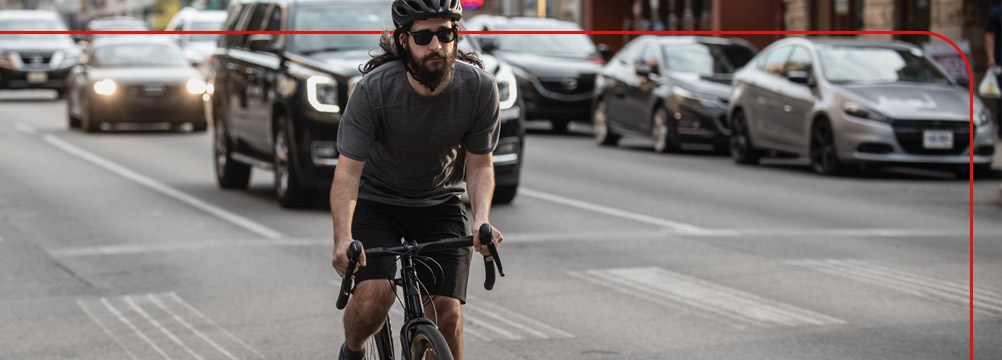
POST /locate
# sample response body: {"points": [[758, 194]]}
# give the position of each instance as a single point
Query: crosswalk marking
{"points": [[163, 326], [665, 287], [490, 322], [985, 301]]}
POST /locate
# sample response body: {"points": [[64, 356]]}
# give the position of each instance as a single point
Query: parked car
{"points": [[842, 102], [113, 23], [276, 100], [670, 89], [33, 61], [198, 48], [555, 74], [135, 79]]}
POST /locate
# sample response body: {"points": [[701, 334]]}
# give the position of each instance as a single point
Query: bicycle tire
{"points": [[428, 339], [380, 345]]}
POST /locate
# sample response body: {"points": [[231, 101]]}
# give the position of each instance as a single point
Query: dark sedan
{"points": [[555, 74], [135, 80], [673, 90]]}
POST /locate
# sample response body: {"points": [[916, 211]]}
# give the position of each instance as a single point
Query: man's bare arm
{"points": [[344, 194]]}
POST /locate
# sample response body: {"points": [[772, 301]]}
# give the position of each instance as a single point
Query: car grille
{"points": [[35, 58], [570, 85], [153, 90], [910, 136]]}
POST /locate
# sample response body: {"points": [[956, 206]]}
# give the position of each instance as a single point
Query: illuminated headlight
{"points": [[983, 118], [696, 98], [507, 87], [196, 87], [105, 87], [859, 111], [321, 92]]}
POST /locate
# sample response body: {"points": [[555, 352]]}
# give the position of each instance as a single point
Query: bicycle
{"points": [[418, 333]]}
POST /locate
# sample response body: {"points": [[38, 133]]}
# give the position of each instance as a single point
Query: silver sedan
{"points": [[843, 101]]}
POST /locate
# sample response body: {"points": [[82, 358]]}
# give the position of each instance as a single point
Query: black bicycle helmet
{"points": [[409, 11]]}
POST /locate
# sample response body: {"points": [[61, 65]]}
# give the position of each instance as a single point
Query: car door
{"points": [[763, 109], [230, 75], [260, 70], [796, 101], [639, 102], [243, 75], [622, 77]]}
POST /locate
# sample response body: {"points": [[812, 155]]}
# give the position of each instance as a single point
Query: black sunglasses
{"points": [[444, 35]]}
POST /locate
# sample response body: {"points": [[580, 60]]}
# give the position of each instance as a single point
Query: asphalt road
{"points": [[120, 245]]}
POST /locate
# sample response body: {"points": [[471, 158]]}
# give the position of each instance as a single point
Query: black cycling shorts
{"points": [[377, 224]]}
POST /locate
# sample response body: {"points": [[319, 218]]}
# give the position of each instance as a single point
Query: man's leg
{"points": [[366, 311], [448, 315]]}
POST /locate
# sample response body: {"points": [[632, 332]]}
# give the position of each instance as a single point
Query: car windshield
{"points": [[204, 25], [562, 45], [134, 55], [348, 18], [858, 64], [32, 24], [706, 59]]}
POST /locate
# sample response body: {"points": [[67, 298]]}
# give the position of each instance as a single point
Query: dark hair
{"points": [[393, 50]]}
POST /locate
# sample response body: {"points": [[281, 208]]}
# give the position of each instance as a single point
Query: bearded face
{"points": [[434, 68], [430, 60]]}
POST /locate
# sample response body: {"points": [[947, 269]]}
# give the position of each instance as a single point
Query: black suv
{"points": [[276, 99], [33, 61]]}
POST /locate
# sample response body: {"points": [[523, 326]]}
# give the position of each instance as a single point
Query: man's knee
{"points": [[372, 298], [448, 314]]}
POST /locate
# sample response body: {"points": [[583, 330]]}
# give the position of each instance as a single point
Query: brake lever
{"points": [[487, 239], [354, 251]]}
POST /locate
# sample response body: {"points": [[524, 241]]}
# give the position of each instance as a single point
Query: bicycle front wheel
{"points": [[429, 344], [380, 345]]}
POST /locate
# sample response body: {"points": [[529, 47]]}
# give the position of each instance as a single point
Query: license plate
{"points": [[37, 77], [937, 139]]}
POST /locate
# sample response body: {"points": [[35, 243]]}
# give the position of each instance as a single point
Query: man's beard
{"points": [[433, 70]]}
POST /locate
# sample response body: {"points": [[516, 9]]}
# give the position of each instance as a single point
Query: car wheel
{"points": [[505, 194], [87, 121], [229, 174], [290, 193], [824, 156], [663, 132], [742, 150], [72, 121], [600, 122]]}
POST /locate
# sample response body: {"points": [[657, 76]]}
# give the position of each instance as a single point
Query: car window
{"points": [[563, 45], [875, 64], [138, 55], [204, 25], [800, 60], [350, 17], [233, 20], [629, 54], [775, 61], [256, 22], [32, 24], [706, 59]]}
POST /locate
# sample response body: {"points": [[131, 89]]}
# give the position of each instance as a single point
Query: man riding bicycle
{"points": [[417, 129]]}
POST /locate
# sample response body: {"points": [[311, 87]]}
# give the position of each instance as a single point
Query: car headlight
{"points": [[105, 87], [197, 87], [321, 93], [859, 111], [507, 87], [697, 98], [983, 118], [10, 60]]}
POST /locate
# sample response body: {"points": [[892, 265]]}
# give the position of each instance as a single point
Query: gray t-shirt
{"points": [[414, 146]]}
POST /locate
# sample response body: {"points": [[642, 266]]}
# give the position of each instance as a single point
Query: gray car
{"points": [[844, 102]]}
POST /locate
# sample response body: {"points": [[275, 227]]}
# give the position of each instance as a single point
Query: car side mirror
{"points": [[488, 43], [644, 70], [261, 42], [800, 77], [604, 51]]}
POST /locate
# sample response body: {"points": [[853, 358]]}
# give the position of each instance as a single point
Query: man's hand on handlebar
{"points": [[480, 247], [340, 258]]}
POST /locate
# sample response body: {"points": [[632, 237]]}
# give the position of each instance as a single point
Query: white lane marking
{"points": [[674, 225], [135, 330], [647, 295], [132, 249], [157, 186], [139, 310], [915, 284], [27, 129], [173, 296], [716, 298], [515, 319], [397, 314], [159, 303], [91, 315]]}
